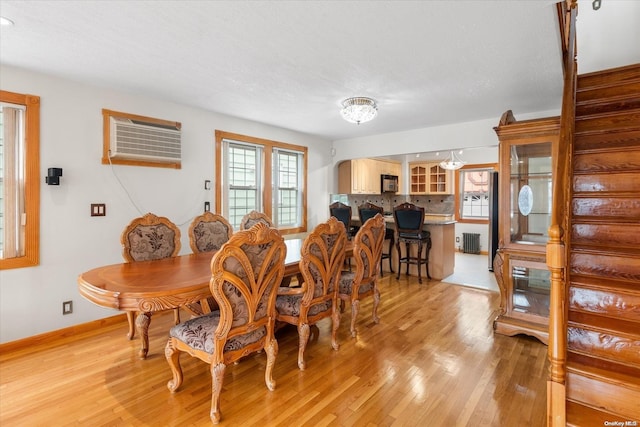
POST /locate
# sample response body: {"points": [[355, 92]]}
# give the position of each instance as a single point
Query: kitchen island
{"points": [[442, 253]]}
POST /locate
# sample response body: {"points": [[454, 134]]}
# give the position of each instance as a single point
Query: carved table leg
{"points": [[142, 325]]}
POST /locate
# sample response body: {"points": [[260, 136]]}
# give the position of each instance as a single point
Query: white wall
{"points": [[70, 240]]}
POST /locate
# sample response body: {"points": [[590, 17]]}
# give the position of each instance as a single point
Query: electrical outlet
{"points": [[67, 307], [457, 239]]}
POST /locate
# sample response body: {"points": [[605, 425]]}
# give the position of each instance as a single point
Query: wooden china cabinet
{"points": [[524, 214]]}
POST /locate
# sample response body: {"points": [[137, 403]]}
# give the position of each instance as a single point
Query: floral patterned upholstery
{"points": [[198, 333], [253, 218], [149, 242], [245, 274], [208, 232]]}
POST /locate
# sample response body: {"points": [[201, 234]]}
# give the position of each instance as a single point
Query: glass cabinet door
{"points": [[531, 285], [530, 193]]}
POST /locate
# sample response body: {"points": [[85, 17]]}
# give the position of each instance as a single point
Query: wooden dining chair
{"points": [[363, 282], [254, 217], [369, 210], [321, 259], [245, 274], [147, 238], [207, 233]]}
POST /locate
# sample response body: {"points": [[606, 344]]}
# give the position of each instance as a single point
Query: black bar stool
{"points": [[409, 220], [369, 210], [343, 214]]}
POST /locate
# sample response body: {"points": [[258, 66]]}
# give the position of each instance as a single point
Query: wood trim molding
{"points": [[60, 334]]}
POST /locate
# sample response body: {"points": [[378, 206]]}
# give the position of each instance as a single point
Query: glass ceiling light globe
{"points": [[453, 162], [359, 109]]}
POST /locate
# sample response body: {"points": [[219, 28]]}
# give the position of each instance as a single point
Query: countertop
{"points": [[429, 219]]}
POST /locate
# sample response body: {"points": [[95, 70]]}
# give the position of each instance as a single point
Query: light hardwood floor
{"points": [[433, 360]]}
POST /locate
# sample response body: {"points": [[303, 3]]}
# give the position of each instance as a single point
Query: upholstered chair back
{"points": [[208, 232], [368, 210], [343, 213], [253, 218], [150, 237]]}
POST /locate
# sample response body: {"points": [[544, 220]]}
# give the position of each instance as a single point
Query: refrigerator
{"points": [[493, 217]]}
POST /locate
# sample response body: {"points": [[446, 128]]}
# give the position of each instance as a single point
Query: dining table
{"points": [[146, 287]]}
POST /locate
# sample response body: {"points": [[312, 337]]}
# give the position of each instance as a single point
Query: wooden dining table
{"points": [[146, 287]]}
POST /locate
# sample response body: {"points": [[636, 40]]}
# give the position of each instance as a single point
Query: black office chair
{"points": [[409, 220], [369, 210]]}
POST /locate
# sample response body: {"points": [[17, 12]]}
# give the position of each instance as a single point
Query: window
{"points": [[262, 175], [472, 193], [19, 180]]}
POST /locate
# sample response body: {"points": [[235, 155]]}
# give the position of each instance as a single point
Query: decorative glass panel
{"points": [[530, 193]]}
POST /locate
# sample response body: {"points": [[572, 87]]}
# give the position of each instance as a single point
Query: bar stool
{"points": [[409, 220], [369, 210], [343, 214]]}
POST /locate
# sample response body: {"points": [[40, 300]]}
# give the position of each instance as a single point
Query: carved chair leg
{"points": [[272, 351], [173, 359], [176, 316], [376, 302], [217, 378], [303, 338], [131, 319], [355, 308], [335, 323]]}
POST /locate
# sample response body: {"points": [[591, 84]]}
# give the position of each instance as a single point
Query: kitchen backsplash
{"points": [[432, 203]]}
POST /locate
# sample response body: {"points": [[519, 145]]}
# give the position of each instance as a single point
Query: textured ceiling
{"points": [[291, 63]]}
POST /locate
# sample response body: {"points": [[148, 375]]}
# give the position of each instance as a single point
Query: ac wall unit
{"points": [[137, 140]]}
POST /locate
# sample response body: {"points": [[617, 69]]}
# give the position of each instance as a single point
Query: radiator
{"points": [[471, 243]]}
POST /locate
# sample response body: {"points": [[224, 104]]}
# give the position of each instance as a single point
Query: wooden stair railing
{"points": [[558, 245]]}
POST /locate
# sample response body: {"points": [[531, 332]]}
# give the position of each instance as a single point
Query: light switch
{"points": [[98, 209]]}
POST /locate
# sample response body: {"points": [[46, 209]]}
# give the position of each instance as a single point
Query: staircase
{"points": [[603, 333]]}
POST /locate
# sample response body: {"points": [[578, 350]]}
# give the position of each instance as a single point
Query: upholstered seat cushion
{"points": [[198, 333], [289, 305], [422, 235], [346, 284]]}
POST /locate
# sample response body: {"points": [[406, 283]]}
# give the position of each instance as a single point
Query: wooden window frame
{"points": [[32, 180], [458, 201], [267, 167]]}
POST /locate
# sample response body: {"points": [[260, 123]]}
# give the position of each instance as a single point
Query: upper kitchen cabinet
{"points": [[429, 178], [362, 176]]}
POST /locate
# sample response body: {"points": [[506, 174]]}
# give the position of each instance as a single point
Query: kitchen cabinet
{"points": [[429, 178], [524, 217], [362, 176]]}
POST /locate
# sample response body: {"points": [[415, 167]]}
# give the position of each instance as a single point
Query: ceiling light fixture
{"points": [[359, 109], [453, 162], [5, 21]]}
